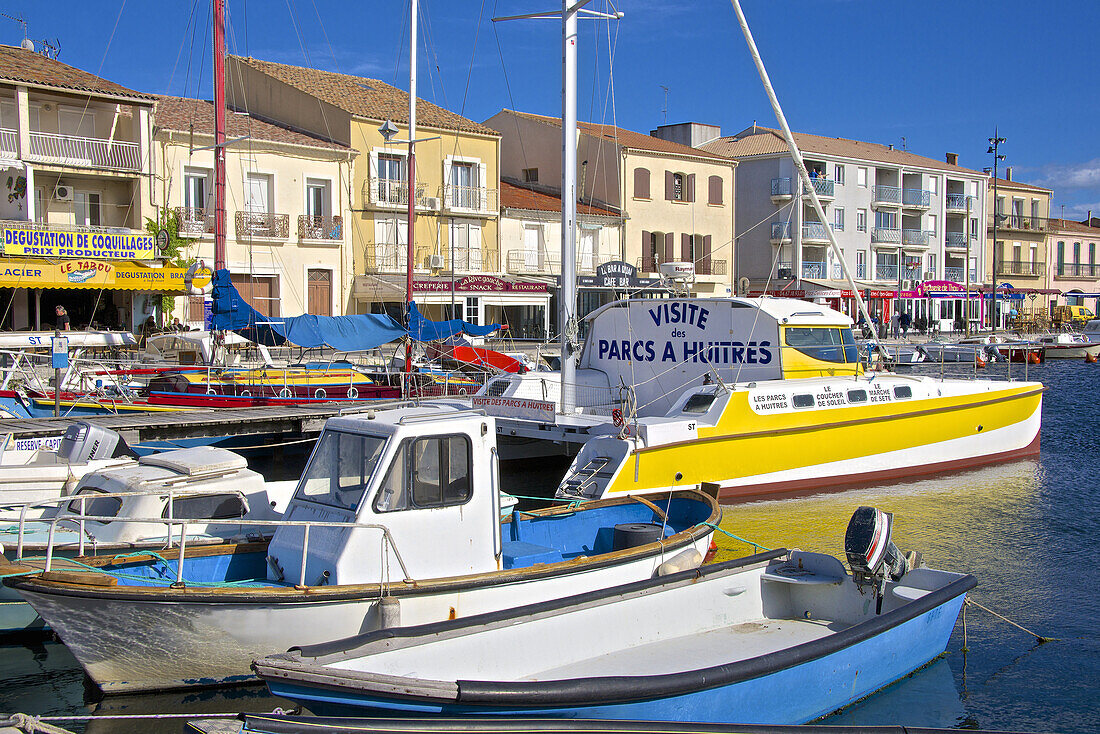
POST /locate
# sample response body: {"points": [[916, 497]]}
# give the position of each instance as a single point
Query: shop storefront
{"points": [[613, 281], [524, 306]]}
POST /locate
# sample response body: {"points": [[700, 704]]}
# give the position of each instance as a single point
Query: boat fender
{"points": [[389, 612], [682, 561], [196, 268], [1090, 358], [70, 486]]}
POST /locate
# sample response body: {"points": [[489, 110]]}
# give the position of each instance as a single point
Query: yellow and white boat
{"points": [[760, 396]]}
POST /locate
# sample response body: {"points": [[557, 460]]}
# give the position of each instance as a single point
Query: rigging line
{"points": [[473, 54], [508, 88], [103, 60], [183, 42], [324, 32]]}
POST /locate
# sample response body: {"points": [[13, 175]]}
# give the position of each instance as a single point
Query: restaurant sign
{"points": [[478, 284], [20, 241], [615, 275]]}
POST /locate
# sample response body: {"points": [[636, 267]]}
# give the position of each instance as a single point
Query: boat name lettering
{"points": [[830, 399], [777, 401], [515, 403], [714, 352], [880, 395], [680, 313]]}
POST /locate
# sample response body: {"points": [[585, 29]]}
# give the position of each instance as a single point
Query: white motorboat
{"points": [[397, 516], [1068, 346]]}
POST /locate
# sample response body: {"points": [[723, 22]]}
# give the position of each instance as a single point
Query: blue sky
{"points": [[932, 75]]}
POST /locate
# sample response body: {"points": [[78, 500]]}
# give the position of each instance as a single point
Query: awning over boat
{"points": [[344, 333]]}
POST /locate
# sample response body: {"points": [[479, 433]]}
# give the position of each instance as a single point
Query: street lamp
{"points": [[994, 146]]}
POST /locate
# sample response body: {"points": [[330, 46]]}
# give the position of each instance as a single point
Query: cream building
{"points": [[1074, 263], [1020, 213], [676, 202], [287, 204], [456, 259]]}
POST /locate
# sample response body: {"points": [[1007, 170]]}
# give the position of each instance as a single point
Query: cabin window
{"points": [[427, 472], [827, 343], [857, 396], [903, 391], [96, 506], [700, 402], [338, 471], [497, 388], [802, 401], [207, 507]]}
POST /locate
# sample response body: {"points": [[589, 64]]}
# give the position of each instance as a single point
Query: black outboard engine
{"points": [[872, 556]]}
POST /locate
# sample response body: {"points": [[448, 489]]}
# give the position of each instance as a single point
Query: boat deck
{"points": [[701, 650]]}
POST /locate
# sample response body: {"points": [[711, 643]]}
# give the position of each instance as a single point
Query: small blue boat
{"points": [[780, 637]]}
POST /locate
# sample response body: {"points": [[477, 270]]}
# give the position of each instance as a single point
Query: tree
{"points": [[172, 252]]}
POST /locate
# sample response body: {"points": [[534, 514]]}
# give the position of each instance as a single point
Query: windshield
{"points": [[338, 471], [827, 343], [95, 506]]}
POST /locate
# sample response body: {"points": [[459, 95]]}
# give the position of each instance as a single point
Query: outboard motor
{"points": [[872, 555], [84, 441]]}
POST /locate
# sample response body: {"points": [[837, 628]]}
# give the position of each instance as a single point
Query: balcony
{"points": [[912, 272], [885, 196], [956, 240], [262, 224], [1020, 223], [956, 203], [385, 258], [814, 269], [470, 199], [394, 192], [784, 270], [194, 222], [1077, 270], [886, 272], [814, 232], [781, 190], [466, 260], [781, 232], [703, 266], [886, 236], [861, 270], [958, 275], [330, 229], [916, 198], [916, 237], [823, 186], [74, 150], [1020, 267]]}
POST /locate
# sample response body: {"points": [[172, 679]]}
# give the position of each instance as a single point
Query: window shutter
{"points": [[715, 193], [668, 185], [648, 255], [685, 248], [641, 183], [670, 246], [704, 257], [690, 185]]}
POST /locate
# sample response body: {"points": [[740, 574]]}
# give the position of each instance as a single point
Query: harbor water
{"points": [[1028, 530]]}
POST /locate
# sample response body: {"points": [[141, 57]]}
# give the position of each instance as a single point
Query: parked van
{"points": [[1072, 315]]}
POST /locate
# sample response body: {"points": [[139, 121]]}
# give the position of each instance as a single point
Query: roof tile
{"points": [[180, 113], [517, 196], [21, 65]]}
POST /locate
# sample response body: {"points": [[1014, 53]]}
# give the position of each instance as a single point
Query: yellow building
{"points": [[1020, 214], [287, 201], [455, 242]]}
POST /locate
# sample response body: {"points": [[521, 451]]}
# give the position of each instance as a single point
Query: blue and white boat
{"points": [[396, 519], [780, 637]]}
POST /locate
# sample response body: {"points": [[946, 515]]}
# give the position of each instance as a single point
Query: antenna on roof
{"points": [[664, 112], [49, 50], [903, 145]]}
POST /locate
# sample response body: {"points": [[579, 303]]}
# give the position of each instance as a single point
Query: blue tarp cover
{"points": [[344, 333]]}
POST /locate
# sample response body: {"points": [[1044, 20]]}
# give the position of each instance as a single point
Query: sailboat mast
{"points": [[411, 181], [567, 306], [219, 134]]}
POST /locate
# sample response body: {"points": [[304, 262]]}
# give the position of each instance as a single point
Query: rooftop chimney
{"points": [[952, 158], [1008, 173], [891, 146]]}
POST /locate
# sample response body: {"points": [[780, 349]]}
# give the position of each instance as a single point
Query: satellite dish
{"points": [[742, 286], [28, 44]]}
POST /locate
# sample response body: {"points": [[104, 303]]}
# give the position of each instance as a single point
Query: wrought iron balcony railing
{"points": [[885, 195], [394, 192], [781, 231], [956, 239], [918, 198], [1020, 223], [781, 187], [887, 235], [916, 237], [262, 224], [74, 150], [1019, 267], [320, 228], [814, 231], [812, 269], [1077, 270], [470, 198], [823, 186], [957, 202], [886, 272], [195, 222], [703, 266]]}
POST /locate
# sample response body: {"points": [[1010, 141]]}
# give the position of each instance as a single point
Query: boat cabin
{"points": [[423, 479]]}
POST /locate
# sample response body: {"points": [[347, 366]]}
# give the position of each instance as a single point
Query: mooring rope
{"points": [[1042, 640], [756, 546]]}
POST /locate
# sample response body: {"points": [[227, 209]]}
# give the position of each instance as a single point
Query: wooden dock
{"points": [[135, 428]]}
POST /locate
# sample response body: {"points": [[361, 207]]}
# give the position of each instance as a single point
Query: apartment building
{"points": [[1019, 226], [676, 203], [530, 241], [907, 225], [76, 169], [1073, 267], [287, 201], [456, 258]]}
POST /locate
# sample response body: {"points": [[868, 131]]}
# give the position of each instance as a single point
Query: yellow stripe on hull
{"points": [[745, 444]]}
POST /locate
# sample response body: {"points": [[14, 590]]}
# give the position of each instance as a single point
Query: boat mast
{"points": [[567, 303], [219, 134], [800, 165], [412, 183]]}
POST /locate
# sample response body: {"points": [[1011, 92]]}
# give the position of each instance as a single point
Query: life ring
{"points": [[319, 393], [188, 279], [211, 391], [285, 393], [352, 393], [246, 393]]}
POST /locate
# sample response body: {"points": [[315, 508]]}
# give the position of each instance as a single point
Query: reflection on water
{"points": [[928, 698]]}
